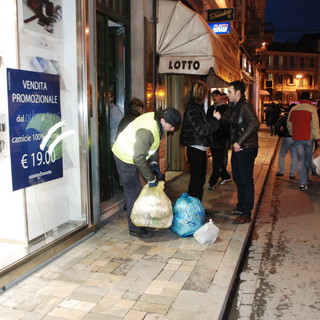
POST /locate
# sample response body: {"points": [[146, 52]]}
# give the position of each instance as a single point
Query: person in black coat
{"points": [[220, 144], [244, 126], [196, 135], [134, 110], [272, 115]]}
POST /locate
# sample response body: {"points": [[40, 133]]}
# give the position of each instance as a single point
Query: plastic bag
{"points": [[153, 208], [208, 233], [315, 163], [188, 215]]}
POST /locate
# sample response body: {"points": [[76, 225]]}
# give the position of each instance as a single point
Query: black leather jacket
{"points": [[196, 128], [220, 138], [244, 124]]}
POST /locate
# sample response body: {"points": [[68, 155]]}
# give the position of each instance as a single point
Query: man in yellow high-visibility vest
{"points": [[136, 151]]}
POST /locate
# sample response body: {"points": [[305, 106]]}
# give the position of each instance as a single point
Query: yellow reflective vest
{"points": [[123, 147]]}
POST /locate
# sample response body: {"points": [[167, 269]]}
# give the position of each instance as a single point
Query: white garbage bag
{"points": [[208, 233], [153, 208], [315, 164]]}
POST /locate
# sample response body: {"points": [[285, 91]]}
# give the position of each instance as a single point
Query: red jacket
{"points": [[303, 121]]}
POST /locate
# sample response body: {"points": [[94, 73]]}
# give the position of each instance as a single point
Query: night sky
{"points": [[293, 18]]}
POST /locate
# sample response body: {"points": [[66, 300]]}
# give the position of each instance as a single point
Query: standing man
{"points": [[115, 117], [224, 98], [220, 144], [272, 115], [303, 125], [136, 151], [244, 126], [134, 110], [287, 144]]}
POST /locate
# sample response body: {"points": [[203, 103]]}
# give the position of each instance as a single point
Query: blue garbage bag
{"points": [[188, 215]]}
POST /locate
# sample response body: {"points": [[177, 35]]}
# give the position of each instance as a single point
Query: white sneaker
{"points": [[304, 187], [225, 181]]}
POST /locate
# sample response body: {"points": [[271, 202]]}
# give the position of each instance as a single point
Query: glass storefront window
{"points": [[43, 120]]}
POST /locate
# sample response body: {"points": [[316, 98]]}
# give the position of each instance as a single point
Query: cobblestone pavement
{"points": [[113, 276], [281, 275]]}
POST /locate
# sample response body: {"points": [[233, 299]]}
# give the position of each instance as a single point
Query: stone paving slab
{"points": [[115, 276]]}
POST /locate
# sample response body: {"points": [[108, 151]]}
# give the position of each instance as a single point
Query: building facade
{"points": [[290, 69], [58, 60]]}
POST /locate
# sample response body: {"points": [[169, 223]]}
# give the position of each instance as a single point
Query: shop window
{"points": [[44, 167]]}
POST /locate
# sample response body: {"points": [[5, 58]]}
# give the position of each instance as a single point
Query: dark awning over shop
{"points": [[187, 45]]}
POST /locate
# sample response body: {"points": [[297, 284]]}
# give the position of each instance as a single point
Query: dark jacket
{"points": [[281, 128], [244, 123], [221, 136], [196, 128], [272, 114], [130, 116]]}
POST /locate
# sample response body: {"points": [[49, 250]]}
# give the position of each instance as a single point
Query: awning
{"points": [[187, 45], [264, 93]]}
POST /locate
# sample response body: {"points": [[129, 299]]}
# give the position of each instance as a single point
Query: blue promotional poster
{"points": [[34, 127]]}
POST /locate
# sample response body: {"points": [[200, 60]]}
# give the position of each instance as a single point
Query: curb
{"points": [[215, 302]]}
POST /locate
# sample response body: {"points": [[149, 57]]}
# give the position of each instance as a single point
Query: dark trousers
{"points": [[129, 176], [242, 163], [219, 165], [198, 168]]}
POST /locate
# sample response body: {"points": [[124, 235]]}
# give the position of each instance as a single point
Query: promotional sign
{"points": [[220, 27], [34, 127], [215, 15]]}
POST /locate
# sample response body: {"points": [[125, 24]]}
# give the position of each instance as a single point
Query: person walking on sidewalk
{"points": [[136, 151], [287, 144], [244, 126], [196, 135], [272, 116], [220, 144], [303, 125]]}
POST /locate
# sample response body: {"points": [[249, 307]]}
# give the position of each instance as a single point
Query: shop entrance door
{"points": [[110, 78]]}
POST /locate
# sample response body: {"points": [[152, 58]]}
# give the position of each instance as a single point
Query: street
{"points": [[280, 277]]}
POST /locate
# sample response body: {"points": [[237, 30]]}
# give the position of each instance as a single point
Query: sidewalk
{"points": [[113, 276]]}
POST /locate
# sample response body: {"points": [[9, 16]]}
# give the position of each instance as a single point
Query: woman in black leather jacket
{"points": [[244, 126], [196, 135]]}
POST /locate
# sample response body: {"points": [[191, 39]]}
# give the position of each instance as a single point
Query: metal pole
{"points": [[154, 55]]}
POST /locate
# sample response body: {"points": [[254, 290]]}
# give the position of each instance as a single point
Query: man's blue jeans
{"points": [[286, 145], [304, 154]]}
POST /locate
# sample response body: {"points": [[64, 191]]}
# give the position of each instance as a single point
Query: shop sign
{"points": [[185, 65], [34, 127], [224, 14], [220, 27]]}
